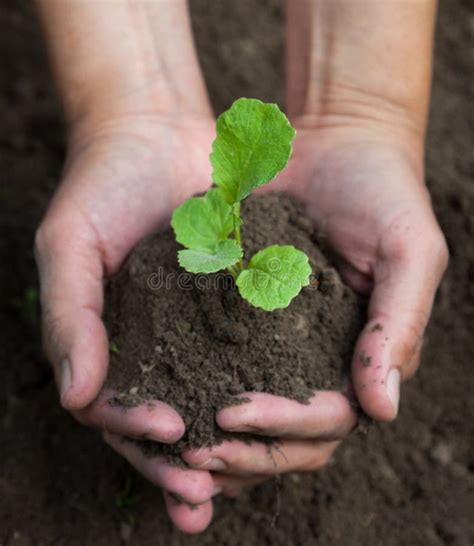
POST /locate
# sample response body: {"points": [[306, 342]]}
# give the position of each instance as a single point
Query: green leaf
{"points": [[194, 260], [274, 277], [201, 222], [253, 144]]}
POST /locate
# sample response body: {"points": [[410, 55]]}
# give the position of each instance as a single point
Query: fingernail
{"points": [[217, 490], [392, 387], [66, 377], [213, 464]]}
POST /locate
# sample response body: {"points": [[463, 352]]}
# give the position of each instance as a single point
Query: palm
{"points": [[366, 198], [132, 173]]}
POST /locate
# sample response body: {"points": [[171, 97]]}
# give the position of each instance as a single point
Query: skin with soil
{"points": [[194, 343], [409, 482]]}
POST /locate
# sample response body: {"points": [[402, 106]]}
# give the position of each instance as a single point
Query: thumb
{"points": [[406, 275], [74, 337]]}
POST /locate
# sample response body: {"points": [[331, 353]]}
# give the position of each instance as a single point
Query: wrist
{"points": [[347, 61], [340, 111], [152, 100], [321, 141], [129, 56]]}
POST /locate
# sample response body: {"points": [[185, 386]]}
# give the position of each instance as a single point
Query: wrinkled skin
{"points": [[364, 189]]}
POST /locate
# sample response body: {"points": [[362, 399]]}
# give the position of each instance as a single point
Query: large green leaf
{"points": [[201, 222], [274, 277], [253, 144], [194, 260]]}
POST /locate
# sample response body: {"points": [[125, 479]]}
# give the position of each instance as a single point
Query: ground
{"points": [[407, 483]]}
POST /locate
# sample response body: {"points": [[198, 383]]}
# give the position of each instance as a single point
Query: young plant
{"points": [[253, 144]]}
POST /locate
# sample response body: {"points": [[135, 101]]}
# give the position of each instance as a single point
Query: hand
{"points": [[122, 179], [365, 191]]}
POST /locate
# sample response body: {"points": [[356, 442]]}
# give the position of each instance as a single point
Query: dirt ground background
{"points": [[410, 483]]}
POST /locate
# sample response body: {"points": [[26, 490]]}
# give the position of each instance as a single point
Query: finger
{"points": [[360, 282], [406, 276], [242, 459], [414, 363], [154, 421], [328, 416], [75, 340], [191, 519], [232, 486], [192, 486]]}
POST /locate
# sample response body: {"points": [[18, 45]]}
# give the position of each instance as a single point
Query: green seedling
{"points": [[113, 347], [127, 502], [253, 144], [27, 306]]}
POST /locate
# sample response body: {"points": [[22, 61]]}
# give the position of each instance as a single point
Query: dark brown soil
{"points": [[407, 483], [193, 342]]}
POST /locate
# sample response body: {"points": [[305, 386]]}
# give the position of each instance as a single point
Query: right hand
{"points": [[122, 179]]}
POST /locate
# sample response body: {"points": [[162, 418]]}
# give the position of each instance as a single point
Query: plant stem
{"points": [[234, 271], [237, 223]]}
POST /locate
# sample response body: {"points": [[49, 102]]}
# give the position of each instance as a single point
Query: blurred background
{"points": [[409, 483]]}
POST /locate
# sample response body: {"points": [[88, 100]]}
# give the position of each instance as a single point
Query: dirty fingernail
{"points": [[66, 377], [393, 388], [213, 464]]}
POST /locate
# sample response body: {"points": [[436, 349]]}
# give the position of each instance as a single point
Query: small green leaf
{"points": [[113, 347], [194, 260], [27, 306], [253, 144], [201, 222], [274, 277]]}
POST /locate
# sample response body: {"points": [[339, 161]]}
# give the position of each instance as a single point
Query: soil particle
{"points": [[442, 453], [365, 359], [212, 344]]}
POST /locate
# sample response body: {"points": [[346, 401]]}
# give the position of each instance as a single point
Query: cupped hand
{"points": [[364, 188], [122, 179]]}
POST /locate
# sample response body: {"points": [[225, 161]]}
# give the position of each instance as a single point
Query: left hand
{"points": [[363, 185], [123, 177]]}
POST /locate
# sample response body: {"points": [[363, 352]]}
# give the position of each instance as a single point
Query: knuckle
{"points": [[45, 237], [244, 464], [40, 241], [436, 247], [410, 338], [414, 327], [442, 251], [413, 362], [52, 331], [50, 239], [249, 464]]}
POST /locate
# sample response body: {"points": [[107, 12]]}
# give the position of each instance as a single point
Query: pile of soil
{"points": [[406, 483], [194, 343]]}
